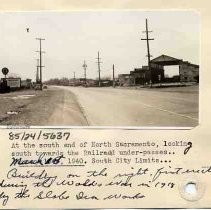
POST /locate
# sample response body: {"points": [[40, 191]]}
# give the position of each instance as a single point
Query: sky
{"points": [[72, 37]]}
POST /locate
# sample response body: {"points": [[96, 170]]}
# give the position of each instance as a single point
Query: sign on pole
{"points": [[5, 71]]}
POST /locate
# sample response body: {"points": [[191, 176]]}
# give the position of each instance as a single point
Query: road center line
{"points": [[171, 112]]}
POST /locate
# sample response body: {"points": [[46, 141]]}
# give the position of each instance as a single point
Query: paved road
{"points": [[142, 107]]}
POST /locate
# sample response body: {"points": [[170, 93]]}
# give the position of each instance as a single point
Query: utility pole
{"points": [[113, 77], [74, 78], [85, 66], [99, 70], [148, 50], [37, 73], [40, 53]]}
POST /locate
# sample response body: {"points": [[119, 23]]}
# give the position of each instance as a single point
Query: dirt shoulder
{"points": [[40, 108]]}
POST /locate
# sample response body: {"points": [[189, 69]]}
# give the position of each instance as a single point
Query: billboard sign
{"points": [[13, 82]]}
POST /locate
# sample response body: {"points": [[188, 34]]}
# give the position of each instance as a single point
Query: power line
{"points": [[40, 53], [148, 49], [37, 73], [113, 76], [85, 66], [74, 78], [99, 68]]}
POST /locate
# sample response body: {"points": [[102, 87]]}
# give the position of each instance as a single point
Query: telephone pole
{"points": [[74, 78], [148, 50], [40, 53], [99, 70], [113, 77], [85, 66], [37, 73]]}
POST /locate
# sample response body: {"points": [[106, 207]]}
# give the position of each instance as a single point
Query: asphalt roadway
{"points": [[157, 107], [79, 106]]}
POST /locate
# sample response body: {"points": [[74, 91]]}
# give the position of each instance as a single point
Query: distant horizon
{"points": [[72, 37]]}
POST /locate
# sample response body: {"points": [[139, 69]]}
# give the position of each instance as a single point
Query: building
{"points": [[125, 79], [27, 84], [141, 76], [83, 82], [187, 72]]}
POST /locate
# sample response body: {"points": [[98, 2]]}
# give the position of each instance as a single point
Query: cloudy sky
{"points": [[72, 37]]}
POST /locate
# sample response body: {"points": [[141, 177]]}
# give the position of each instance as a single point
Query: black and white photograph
{"points": [[105, 104], [118, 68]]}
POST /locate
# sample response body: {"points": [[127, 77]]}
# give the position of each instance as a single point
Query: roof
{"points": [[166, 60], [141, 69], [123, 75], [191, 64]]}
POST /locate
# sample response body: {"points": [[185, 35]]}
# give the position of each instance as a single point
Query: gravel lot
{"points": [[47, 107]]}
